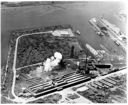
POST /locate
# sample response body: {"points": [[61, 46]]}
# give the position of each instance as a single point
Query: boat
{"points": [[78, 32], [96, 53]]}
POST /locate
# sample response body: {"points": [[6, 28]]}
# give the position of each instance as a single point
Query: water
{"points": [[76, 14]]}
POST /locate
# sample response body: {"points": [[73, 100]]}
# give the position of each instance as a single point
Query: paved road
{"points": [[17, 99]]}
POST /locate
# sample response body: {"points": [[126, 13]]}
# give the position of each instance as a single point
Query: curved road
{"points": [[17, 99]]}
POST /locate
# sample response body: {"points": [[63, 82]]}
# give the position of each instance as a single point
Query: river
{"points": [[76, 14]]}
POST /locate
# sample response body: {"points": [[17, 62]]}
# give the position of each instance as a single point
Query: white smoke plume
{"points": [[38, 71], [50, 63]]}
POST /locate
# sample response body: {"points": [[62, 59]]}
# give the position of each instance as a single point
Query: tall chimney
{"points": [[72, 52]]}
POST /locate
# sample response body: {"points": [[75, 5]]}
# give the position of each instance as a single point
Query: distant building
{"points": [[61, 33], [100, 25], [64, 32]]}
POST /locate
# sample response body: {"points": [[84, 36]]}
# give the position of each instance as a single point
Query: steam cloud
{"points": [[50, 63]]}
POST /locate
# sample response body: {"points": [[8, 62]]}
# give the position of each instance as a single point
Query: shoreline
{"points": [[50, 3]]}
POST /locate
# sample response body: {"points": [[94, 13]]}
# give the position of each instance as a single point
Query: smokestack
{"points": [[72, 52], [62, 63]]}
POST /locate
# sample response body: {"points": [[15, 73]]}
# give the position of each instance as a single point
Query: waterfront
{"points": [[76, 14]]}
